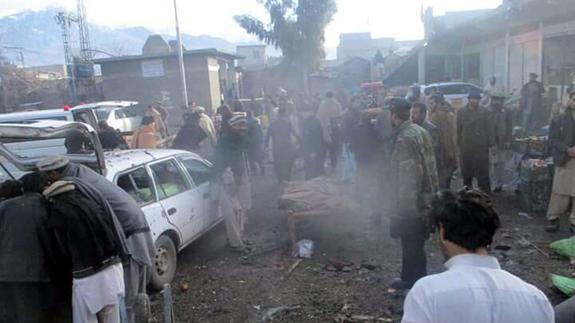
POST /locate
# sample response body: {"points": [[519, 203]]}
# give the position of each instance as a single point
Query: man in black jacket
{"points": [[28, 292], [89, 239], [109, 137], [562, 141], [135, 227]]}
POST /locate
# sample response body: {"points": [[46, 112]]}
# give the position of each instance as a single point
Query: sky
{"points": [[399, 19]]}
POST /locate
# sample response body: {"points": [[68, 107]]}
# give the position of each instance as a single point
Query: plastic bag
{"points": [[564, 284], [564, 247], [304, 249]]}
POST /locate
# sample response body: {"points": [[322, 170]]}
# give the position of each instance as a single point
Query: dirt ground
{"points": [[259, 287]]}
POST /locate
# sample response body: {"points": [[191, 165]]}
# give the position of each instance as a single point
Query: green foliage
{"points": [[295, 27]]}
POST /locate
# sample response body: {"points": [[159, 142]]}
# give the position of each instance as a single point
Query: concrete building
{"points": [[509, 42], [362, 45], [154, 76], [254, 56], [46, 72]]}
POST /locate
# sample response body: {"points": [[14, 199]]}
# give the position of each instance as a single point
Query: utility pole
{"points": [[181, 58]]}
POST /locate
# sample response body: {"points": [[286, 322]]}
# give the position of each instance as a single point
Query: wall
{"points": [[124, 80]]}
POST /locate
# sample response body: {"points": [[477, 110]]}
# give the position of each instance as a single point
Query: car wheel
{"points": [[165, 263]]}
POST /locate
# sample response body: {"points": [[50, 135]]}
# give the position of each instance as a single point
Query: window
{"points": [[138, 184], [85, 117], [199, 172], [454, 89], [102, 113], [120, 114], [169, 179]]}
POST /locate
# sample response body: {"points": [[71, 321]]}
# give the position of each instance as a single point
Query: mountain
{"points": [[41, 37]]}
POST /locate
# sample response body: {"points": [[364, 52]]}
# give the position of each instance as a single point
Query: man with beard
{"points": [[474, 137], [412, 179], [232, 187], [474, 289]]}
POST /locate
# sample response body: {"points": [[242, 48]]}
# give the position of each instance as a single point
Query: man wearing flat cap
{"points": [[139, 240], [231, 184], [532, 103], [474, 138], [412, 180]]}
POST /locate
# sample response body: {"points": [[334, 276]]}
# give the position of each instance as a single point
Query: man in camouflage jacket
{"points": [[412, 179]]}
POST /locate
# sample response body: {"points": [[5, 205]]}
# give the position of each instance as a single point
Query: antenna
{"points": [[84, 34]]}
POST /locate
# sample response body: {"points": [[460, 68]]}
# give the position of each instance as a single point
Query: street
{"points": [[347, 277]]}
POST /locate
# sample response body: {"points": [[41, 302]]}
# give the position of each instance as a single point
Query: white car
{"points": [[120, 115], [77, 114], [173, 189], [455, 93], [171, 186]]}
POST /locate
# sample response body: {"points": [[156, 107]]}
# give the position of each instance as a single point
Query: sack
{"points": [[564, 247], [564, 284]]}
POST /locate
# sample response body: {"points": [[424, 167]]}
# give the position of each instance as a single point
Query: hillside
{"points": [[41, 38]]}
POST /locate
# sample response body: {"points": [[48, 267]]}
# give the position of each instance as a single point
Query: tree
{"points": [[296, 27]]}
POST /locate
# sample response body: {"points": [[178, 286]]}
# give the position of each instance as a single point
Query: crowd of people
{"points": [[404, 155]]}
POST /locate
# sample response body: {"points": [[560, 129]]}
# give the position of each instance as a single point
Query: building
{"points": [[510, 42], [47, 72], [254, 56], [362, 45], [155, 76]]}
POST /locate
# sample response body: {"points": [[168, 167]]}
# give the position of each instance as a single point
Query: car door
{"points": [[180, 201], [138, 183], [86, 116], [200, 174]]}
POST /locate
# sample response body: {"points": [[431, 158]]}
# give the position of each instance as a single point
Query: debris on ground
{"points": [[523, 243], [525, 215], [339, 265], [184, 287], [294, 266], [564, 247], [564, 284], [271, 312], [304, 249], [502, 247], [370, 266]]}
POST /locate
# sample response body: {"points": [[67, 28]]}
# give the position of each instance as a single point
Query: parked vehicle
{"points": [[171, 186], [455, 93], [173, 189], [120, 115], [65, 114]]}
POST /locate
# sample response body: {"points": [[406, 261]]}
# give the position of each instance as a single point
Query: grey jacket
{"points": [[131, 218]]}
